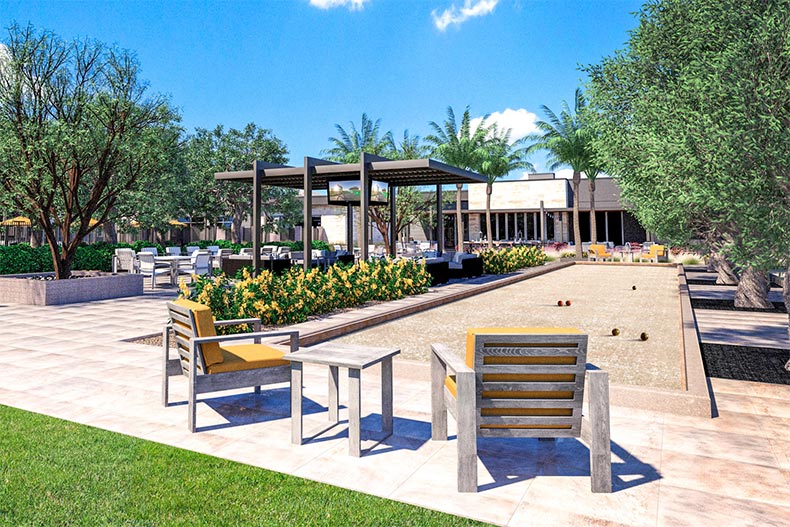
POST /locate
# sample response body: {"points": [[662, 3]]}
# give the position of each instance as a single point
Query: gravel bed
{"points": [[744, 363]]}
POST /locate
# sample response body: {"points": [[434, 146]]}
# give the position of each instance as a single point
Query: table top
{"points": [[171, 258], [343, 355]]}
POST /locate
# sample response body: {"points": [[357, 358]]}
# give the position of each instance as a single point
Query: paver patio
{"points": [[70, 362]]}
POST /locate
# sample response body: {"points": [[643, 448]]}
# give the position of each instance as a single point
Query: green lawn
{"points": [[54, 472]]}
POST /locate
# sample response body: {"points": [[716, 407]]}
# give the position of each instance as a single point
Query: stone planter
{"points": [[91, 285]]}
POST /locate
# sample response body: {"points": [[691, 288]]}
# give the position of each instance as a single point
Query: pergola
{"points": [[316, 174]]}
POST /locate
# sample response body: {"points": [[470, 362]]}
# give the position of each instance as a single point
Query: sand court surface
{"points": [[602, 298]]}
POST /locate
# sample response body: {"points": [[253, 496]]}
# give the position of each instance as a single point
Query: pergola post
{"points": [[364, 205], [393, 249], [350, 228], [439, 222], [307, 230], [257, 174], [542, 222]]}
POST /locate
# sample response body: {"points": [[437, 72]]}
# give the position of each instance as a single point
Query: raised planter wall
{"points": [[17, 289]]}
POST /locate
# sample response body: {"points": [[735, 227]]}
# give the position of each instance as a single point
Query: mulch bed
{"points": [[744, 363], [729, 305]]}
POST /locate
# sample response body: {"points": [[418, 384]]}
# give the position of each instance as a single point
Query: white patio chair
{"points": [[151, 250], [123, 260], [191, 249], [147, 266], [199, 263], [173, 251]]}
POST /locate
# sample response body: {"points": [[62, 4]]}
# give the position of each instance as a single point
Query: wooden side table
{"points": [[355, 359]]}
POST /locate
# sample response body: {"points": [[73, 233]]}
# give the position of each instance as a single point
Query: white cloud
{"points": [[353, 5], [521, 122], [458, 15]]}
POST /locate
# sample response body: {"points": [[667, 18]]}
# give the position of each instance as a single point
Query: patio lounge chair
{"points": [[520, 382], [216, 365], [597, 253], [655, 254]]}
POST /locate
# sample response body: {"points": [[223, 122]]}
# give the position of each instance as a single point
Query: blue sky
{"points": [[298, 67]]}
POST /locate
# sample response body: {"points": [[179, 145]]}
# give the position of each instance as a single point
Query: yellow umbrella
{"points": [[93, 222], [176, 223], [135, 224], [19, 221]]}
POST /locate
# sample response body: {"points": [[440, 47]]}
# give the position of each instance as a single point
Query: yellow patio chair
{"points": [[218, 366], [597, 252], [520, 382], [655, 254]]}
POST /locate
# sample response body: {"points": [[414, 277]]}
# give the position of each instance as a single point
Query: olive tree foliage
{"points": [[77, 133], [210, 151], [694, 121]]}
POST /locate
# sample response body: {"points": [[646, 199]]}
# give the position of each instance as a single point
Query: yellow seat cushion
{"points": [[204, 320], [600, 250], [248, 357], [470, 345]]}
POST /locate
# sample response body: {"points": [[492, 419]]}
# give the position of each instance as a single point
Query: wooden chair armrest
{"points": [[450, 359], [256, 322], [294, 337]]}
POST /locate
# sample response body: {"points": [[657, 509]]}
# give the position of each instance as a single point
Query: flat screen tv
{"points": [[343, 192]]}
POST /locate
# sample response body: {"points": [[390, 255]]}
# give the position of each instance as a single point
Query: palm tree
{"points": [[458, 147], [499, 158], [592, 171], [411, 147], [350, 144], [566, 139]]}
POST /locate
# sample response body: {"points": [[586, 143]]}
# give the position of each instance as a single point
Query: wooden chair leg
{"points": [[600, 443], [191, 409], [438, 406], [467, 432]]}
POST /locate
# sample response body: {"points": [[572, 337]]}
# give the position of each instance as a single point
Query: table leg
{"points": [[296, 403], [333, 392], [354, 411], [386, 395]]}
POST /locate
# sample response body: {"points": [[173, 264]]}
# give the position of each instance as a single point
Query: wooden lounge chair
{"points": [[655, 254], [218, 366], [597, 252], [520, 382]]}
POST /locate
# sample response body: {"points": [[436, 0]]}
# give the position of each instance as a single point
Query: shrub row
{"points": [[295, 295], [501, 261], [22, 258]]}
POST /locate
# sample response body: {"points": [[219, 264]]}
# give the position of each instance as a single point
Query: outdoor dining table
{"points": [[355, 358], [173, 261]]}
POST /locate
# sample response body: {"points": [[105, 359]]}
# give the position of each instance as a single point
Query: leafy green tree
{"points": [[499, 157], [566, 139], [77, 132], [694, 120], [217, 150], [350, 144], [458, 146]]}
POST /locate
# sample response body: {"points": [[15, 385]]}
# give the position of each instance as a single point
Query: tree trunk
{"points": [[577, 233], [236, 229], [753, 289], [35, 237], [593, 223], [724, 270], [786, 298], [488, 216], [459, 221], [110, 234]]}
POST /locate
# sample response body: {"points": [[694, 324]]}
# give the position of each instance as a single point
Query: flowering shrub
{"points": [[295, 295], [501, 261]]}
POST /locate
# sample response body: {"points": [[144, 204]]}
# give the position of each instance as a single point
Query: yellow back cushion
{"points": [[600, 250], [204, 322]]}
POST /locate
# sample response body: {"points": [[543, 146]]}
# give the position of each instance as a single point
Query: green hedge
{"points": [[501, 261], [22, 258]]}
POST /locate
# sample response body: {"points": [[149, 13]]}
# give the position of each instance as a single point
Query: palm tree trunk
{"points": [[577, 233], [725, 275], [593, 224], [459, 221], [488, 216], [753, 289]]}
